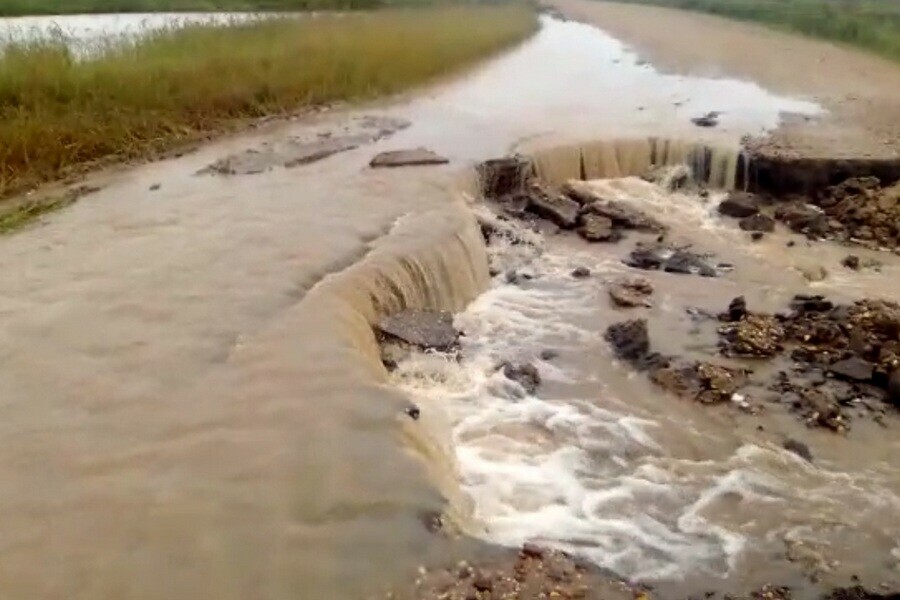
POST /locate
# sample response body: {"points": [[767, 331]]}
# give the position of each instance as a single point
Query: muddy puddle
{"points": [[194, 404]]}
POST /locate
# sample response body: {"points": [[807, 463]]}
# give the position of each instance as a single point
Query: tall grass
{"points": [[54, 7], [138, 98], [870, 24]]}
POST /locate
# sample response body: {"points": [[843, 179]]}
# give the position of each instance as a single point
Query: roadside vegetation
{"points": [[55, 7], [870, 24], [60, 114]]}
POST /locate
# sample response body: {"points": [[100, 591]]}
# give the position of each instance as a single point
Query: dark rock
{"points": [[524, 374], [685, 262], [505, 176], [482, 583], [155, 187], [547, 355], [853, 369], [581, 272], [803, 218], [739, 205], [432, 520], [629, 339], [757, 235], [624, 216], [851, 262], [807, 303], [413, 412], [757, 223], [647, 259], [595, 228], [424, 329], [858, 592], [531, 550], [894, 388], [791, 244], [407, 158], [708, 120], [631, 292], [798, 448], [737, 310], [557, 209]]}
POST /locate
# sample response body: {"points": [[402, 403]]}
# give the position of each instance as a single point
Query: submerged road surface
{"points": [[191, 401]]}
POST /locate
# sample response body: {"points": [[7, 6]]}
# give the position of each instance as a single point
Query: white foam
{"points": [[588, 474]]}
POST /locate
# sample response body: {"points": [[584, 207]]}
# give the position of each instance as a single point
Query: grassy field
{"points": [[51, 7], [870, 24], [59, 114]]}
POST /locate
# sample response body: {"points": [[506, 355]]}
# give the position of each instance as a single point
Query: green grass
{"points": [[59, 114], [51, 7], [870, 24]]}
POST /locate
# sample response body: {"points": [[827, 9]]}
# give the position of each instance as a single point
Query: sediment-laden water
{"points": [[601, 464], [195, 406]]}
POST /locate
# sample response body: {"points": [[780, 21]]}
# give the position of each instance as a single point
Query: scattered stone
{"points": [[807, 303], [631, 292], [624, 216], [702, 382], [647, 259], [860, 593], [759, 336], [155, 187], [527, 574], [863, 212], [851, 262], [423, 329], [595, 228], [710, 119], [757, 235], [757, 223], [413, 412], [739, 205], [737, 310], [407, 158], [803, 218], [581, 272], [524, 374], [798, 448], [629, 339], [853, 369], [688, 263], [557, 209]]}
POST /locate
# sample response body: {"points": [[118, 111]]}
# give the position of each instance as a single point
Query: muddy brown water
{"points": [[192, 402]]}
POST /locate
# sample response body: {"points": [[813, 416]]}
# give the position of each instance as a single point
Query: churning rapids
{"points": [[193, 401]]}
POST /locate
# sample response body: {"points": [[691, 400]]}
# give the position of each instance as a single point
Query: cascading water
{"points": [[717, 167]]}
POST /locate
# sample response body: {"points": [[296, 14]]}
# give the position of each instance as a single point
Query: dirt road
{"points": [[860, 91]]}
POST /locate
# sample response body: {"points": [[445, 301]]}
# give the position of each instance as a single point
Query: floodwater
{"points": [[85, 32], [192, 401], [600, 463]]}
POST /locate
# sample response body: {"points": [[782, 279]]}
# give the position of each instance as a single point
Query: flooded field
{"points": [[194, 404]]}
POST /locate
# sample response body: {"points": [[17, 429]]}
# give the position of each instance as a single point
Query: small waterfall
{"points": [[716, 166]]}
